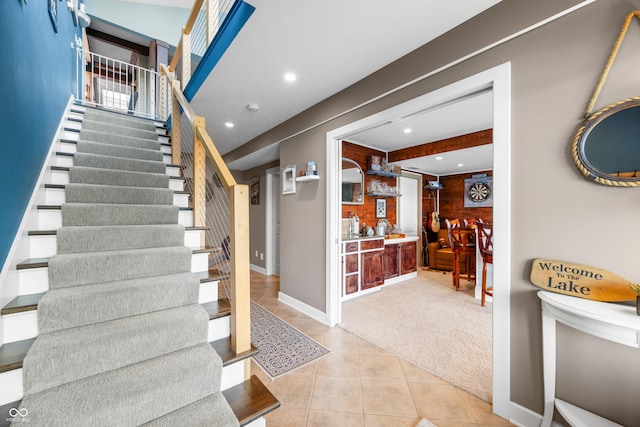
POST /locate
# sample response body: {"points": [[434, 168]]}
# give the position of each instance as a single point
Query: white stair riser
{"points": [[51, 219], [62, 178], [56, 196], [173, 171], [20, 326], [73, 136], [42, 246], [260, 422], [219, 328], [24, 325], [67, 147], [232, 375], [73, 125], [46, 246], [36, 280], [165, 149], [12, 388]]}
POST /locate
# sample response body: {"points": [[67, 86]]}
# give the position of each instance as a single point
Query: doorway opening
{"points": [[498, 80]]}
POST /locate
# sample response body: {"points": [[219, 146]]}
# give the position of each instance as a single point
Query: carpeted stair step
{"points": [[115, 177], [89, 214], [68, 355], [97, 267], [118, 119], [83, 305], [137, 393], [125, 141], [93, 193], [118, 163], [119, 129], [119, 151], [113, 238], [213, 410]]}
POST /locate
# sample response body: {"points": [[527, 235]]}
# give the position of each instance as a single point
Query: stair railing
{"points": [[114, 84], [219, 203], [202, 25]]}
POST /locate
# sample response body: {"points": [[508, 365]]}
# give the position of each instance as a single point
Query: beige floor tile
{"points": [[339, 365], [337, 394], [334, 419], [257, 371], [340, 341], [482, 411], [287, 417], [308, 326], [380, 367], [371, 420], [440, 401], [310, 369], [415, 374], [365, 347], [293, 390], [385, 397]]}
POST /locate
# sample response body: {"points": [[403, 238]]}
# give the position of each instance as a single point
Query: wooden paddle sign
{"points": [[581, 281]]}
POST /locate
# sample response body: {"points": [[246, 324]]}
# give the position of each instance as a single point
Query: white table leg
{"points": [[549, 366]]}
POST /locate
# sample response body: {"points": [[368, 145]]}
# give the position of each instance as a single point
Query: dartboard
{"points": [[479, 191]]}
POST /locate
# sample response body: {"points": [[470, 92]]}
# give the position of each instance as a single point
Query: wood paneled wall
{"points": [[452, 199], [367, 211]]}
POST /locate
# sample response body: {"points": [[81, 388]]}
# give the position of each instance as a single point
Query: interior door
{"points": [[276, 227], [408, 205]]}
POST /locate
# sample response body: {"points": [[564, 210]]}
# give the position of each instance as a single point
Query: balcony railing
{"points": [[116, 85]]}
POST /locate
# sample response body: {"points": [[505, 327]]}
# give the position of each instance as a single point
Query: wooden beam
{"points": [[469, 140], [117, 41]]}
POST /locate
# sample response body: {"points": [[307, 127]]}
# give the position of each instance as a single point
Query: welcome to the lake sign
{"points": [[580, 280]]}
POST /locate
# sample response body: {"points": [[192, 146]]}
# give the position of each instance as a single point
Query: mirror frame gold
{"points": [[578, 146]]}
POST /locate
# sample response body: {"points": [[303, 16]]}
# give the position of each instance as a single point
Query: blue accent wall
{"points": [[36, 79]]}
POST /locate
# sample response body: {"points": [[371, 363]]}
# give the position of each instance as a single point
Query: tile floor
{"points": [[359, 384]]}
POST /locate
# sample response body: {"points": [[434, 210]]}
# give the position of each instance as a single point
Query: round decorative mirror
{"points": [[607, 145]]}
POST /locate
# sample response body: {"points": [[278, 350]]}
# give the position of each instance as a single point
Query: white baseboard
{"points": [[258, 269], [523, 417], [312, 312]]}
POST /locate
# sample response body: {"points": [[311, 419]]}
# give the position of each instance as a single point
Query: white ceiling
{"points": [[330, 45]]}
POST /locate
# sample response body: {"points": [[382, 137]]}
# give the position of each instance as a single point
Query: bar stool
{"points": [[485, 245], [461, 243]]}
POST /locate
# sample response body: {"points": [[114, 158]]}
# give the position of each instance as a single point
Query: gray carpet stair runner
{"points": [[122, 339]]}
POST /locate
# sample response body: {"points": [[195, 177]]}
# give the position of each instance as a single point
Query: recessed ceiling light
{"points": [[290, 77], [229, 124], [407, 130], [439, 158], [460, 165]]}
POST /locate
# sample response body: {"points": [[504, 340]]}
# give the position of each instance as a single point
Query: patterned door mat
{"points": [[283, 348]]}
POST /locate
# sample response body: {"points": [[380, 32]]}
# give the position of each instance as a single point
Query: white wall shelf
{"points": [[307, 178]]}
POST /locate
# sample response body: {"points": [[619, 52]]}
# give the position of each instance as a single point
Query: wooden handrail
{"points": [[176, 56], [197, 5], [239, 210]]}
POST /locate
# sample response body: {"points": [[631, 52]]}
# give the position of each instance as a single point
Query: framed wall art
{"points": [[254, 190], [381, 208]]}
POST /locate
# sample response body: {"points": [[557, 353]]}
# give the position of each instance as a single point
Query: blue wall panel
{"points": [[36, 79]]}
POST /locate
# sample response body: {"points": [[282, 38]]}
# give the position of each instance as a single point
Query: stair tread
{"points": [[63, 186], [211, 275], [226, 353], [22, 303], [12, 354], [218, 309], [54, 232], [250, 400]]}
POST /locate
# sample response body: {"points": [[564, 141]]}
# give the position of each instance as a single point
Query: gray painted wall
{"points": [[556, 213]]}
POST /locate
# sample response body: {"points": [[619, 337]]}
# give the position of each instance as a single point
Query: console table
{"points": [[613, 322]]}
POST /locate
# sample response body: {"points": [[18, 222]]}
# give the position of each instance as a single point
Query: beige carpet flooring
{"points": [[426, 322]]}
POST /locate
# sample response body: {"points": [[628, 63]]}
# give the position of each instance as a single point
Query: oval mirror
{"points": [[607, 146], [352, 183]]}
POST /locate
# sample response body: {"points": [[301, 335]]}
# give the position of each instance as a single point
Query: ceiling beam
{"points": [[117, 41], [461, 142]]}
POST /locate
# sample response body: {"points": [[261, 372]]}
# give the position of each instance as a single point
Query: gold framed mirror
{"points": [[606, 148]]}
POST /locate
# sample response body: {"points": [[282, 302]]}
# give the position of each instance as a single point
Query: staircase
{"points": [[118, 320]]}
